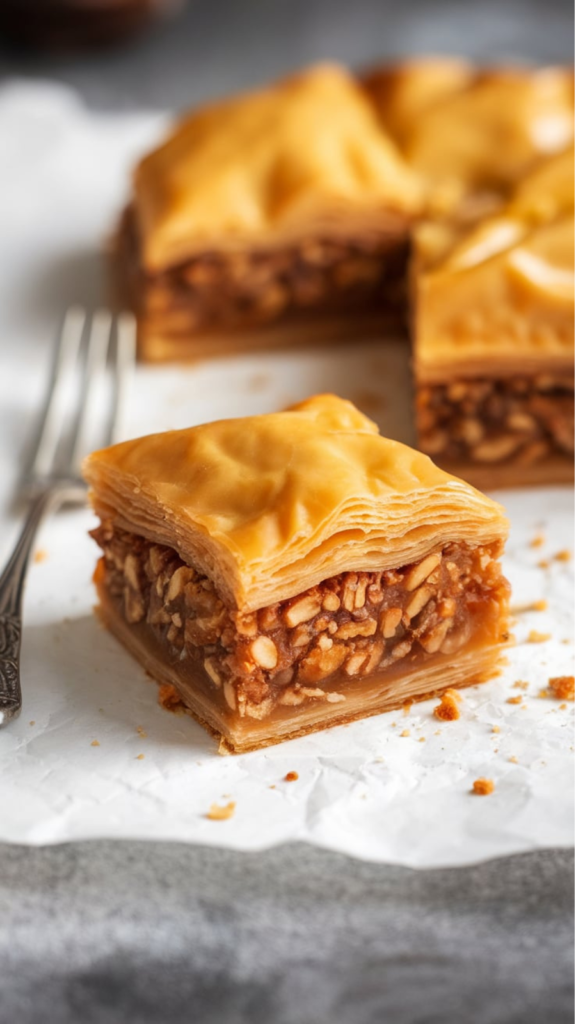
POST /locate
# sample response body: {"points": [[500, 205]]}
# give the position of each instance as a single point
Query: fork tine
{"points": [[124, 366], [53, 417], [96, 358]]}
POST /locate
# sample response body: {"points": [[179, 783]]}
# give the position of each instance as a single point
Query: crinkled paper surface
{"points": [[93, 754]]}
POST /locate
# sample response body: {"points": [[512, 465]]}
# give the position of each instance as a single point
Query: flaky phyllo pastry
{"points": [[296, 570], [494, 335], [282, 213]]}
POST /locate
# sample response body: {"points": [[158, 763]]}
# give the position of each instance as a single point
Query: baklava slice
{"points": [[293, 571], [493, 324], [281, 216], [471, 133]]}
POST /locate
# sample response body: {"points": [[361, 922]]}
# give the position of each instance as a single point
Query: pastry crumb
{"points": [[562, 687], [514, 700], [291, 777], [534, 637], [218, 813], [482, 787], [422, 739], [496, 728], [32, 722], [405, 732], [521, 684], [531, 606], [40, 555], [95, 743], [169, 698], [141, 732], [447, 710], [543, 563], [140, 757], [562, 556], [537, 541], [513, 759]]}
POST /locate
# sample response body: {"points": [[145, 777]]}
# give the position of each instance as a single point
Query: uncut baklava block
{"points": [[296, 570]]}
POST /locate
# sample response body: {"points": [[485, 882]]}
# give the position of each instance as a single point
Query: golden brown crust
{"points": [[469, 131], [236, 173], [268, 506]]}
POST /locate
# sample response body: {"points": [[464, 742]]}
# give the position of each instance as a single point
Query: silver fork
{"points": [[98, 352]]}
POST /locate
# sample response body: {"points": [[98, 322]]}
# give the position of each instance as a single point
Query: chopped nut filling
{"points": [[247, 289], [349, 626], [524, 419]]}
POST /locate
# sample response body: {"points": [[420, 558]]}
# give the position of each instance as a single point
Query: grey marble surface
{"points": [[166, 934], [163, 934]]}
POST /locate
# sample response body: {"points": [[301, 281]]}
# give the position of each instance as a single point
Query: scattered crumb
{"points": [[40, 556], [562, 687], [513, 759], [405, 732], [566, 641], [532, 606], [562, 556], [95, 743], [422, 739], [272, 787], [514, 700], [520, 684], [534, 637], [496, 728], [291, 777], [496, 749], [379, 760], [447, 710], [141, 732], [393, 725], [169, 698], [140, 757], [543, 564], [537, 541], [32, 722], [438, 732], [218, 813], [483, 787], [563, 707]]}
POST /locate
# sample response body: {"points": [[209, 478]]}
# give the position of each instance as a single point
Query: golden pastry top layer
{"points": [[501, 291], [305, 154], [270, 505], [468, 131]]}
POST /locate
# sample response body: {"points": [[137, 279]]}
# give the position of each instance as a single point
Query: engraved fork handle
{"points": [[11, 591]]}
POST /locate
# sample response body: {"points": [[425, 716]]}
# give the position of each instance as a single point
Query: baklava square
{"points": [[292, 571], [280, 216]]}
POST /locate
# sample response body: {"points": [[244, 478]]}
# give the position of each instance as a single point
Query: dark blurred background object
{"points": [[212, 47], [69, 25]]}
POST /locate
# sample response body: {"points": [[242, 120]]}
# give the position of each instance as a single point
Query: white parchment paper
{"points": [[93, 755]]}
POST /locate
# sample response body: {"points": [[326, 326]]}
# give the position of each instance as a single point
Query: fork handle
{"points": [[11, 592]]}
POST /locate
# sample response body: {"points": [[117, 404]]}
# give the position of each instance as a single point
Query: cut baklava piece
{"points": [[277, 217], [472, 133], [293, 571], [494, 336]]}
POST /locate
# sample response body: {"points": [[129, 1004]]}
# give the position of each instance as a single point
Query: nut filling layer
{"points": [[295, 651], [522, 420], [245, 289]]}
